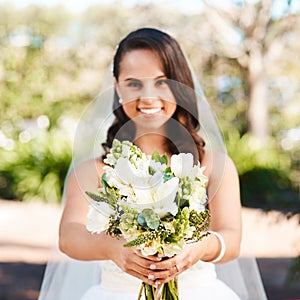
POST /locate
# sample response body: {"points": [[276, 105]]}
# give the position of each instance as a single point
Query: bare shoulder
{"points": [[88, 172], [220, 160]]}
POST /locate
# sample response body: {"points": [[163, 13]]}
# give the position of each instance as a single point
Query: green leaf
{"points": [[168, 174], [141, 220], [143, 238], [151, 170], [153, 223], [163, 159], [170, 240], [168, 170], [96, 197], [152, 219], [104, 180], [155, 156]]}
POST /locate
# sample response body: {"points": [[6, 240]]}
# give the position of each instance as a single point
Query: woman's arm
{"points": [[77, 242], [225, 207], [74, 239]]}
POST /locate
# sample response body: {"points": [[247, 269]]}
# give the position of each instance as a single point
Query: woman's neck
{"points": [[150, 142]]}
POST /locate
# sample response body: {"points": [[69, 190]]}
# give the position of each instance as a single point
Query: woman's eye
{"points": [[161, 82], [134, 84]]}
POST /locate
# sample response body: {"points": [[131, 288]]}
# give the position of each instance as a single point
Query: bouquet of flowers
{"points": [[157, 208]]}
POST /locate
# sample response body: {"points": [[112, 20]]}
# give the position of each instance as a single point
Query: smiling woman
{"points": [[155, 106]]}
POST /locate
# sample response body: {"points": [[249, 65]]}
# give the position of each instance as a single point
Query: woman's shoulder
{"points": [[89, 168], [217, 155], [213, 159]]}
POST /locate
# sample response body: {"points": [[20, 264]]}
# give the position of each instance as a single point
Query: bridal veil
{"points": [[66, 278]]}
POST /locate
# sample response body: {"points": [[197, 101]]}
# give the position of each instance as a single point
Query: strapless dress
{"points": [[198, 282]]}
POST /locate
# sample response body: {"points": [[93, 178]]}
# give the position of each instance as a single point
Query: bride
{"points": [[157, 104]]}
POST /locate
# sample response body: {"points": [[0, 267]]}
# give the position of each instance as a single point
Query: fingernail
{"points": [[152, 267], [158, 258], [151, 277]]}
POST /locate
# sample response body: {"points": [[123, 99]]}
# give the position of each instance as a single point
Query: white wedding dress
{"points": [[199, 282]]}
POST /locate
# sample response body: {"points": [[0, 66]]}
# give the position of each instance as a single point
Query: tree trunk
{"points": [[258, 99]]}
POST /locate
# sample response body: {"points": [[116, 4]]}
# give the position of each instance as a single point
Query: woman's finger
{"points": [[148, 257]]}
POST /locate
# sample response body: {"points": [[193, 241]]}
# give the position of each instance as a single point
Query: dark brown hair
{"points": [[181, 83]]}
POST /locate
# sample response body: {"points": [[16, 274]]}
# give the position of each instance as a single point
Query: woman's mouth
{"points": [[150, 111]]}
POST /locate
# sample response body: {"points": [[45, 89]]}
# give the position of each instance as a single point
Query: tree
{"points": [[246, 32]]}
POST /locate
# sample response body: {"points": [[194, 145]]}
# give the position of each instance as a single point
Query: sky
{"points": [[81, 5], [187, 6]]}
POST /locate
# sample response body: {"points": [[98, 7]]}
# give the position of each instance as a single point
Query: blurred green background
{"points": [[53, 62]]}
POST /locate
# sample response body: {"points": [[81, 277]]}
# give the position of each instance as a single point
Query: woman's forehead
{"points": [[140, 63]]}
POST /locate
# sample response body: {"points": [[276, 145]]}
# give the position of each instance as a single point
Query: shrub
{"points": [[36, 169], [265, 173]]}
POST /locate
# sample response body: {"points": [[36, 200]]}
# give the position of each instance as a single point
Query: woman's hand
{"points": [[168, 268], [131, 261]]}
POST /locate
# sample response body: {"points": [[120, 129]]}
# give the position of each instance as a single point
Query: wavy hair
{"points": [[178, 72]]}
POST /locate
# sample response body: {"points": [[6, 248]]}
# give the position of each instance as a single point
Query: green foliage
{"points": [[60, 68], [201, 222], [163, 159], [265, 173], [144, 238], [148, 219], [35, 170]]}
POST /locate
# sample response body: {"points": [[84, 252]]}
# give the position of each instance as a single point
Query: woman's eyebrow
{"points": [[128, 79], [160, 76], [155, 78]]}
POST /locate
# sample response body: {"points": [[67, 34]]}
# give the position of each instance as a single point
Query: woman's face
{"points": [[143, 88]]}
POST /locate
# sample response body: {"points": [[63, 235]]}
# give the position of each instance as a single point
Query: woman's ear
{"points": [[118, 92], [117, 87]]}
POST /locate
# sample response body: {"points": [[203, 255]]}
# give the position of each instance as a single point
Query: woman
{"points": [[156, 108]]}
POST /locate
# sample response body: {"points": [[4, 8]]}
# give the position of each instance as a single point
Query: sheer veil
{"points": [[66, 278]]}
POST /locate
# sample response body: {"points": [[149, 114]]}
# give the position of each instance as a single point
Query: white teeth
{"points": [[150, 111]]}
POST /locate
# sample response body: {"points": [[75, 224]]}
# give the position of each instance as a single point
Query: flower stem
{"points": [[141, 291], [158, 292]]}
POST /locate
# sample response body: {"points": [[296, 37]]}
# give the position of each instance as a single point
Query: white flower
{"points": [[151, 248], [165, 196], [182, 164], [157, 166], [129, 232], [159, 198], [126, 151], [197, 172], [143, 197], [171, 249], [139, 177], [98, 221], [197, 206], [169, 226], [198, 196], [189, 232]]}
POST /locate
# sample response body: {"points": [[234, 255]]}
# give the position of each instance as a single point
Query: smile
{"points": [[150, 111]]}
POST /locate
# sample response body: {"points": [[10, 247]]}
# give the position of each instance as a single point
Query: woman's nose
{"points": [[148, 99], [148, 93]]}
